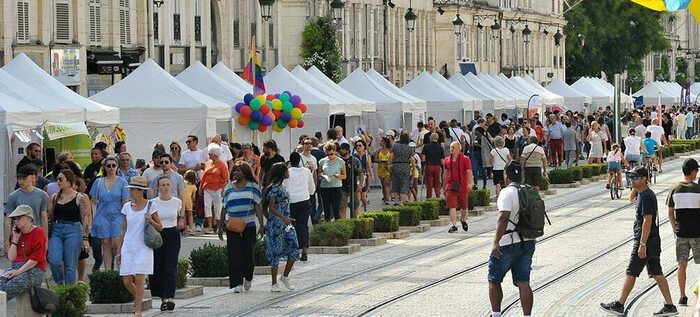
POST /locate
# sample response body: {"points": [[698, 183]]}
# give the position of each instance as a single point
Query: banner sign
{"points": [[61, 130]]}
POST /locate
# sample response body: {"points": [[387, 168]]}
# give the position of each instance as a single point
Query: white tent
{"points": [[156, 107], [549, 97], [55, 109], [418, 106], [31, 74], [229, 76], [442, 102], [599, 98], [489, 102], [653, 90], [477, 100], [519, 98], [624, 98], [694, 92], [200, 78], [319, 107], [573, 100], [510, 102], [390, 106], [523, 90]]}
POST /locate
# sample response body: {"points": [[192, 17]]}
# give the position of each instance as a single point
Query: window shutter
{"points": [[23, 22], [198, 20], [62, 22], [125, 22], [95, 22]]}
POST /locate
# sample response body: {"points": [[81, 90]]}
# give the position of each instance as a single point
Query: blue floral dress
{"points": [[281, 244]]}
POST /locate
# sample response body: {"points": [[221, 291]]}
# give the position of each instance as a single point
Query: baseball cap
{"points": [[689, 165], [22, 210], [25, 171], [513, 171], [157, 153], [412, 144], [640, 171]]}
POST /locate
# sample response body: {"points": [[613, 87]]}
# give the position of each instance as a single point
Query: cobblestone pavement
{"points": [[445, 274]]}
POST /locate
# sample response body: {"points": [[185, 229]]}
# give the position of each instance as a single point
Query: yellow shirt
{"points": [[187, 195]]}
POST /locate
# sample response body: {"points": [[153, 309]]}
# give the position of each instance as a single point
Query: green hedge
{"points": [[587, 170], [183, 266], [561, 176], [576, 173], [681, 148], [107, 287], [259, 252], [362, 227], [544, 185], [442, 209], [479, 197], [384, 221], [666, 151], [209, 260], [429, 209], [72, 300], [408, 215], [595, 169], [333, 234], [692, 144]]}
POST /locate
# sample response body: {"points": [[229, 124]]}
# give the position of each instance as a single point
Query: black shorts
{"points": [[498, 178], [652, 261], [533, 176]]}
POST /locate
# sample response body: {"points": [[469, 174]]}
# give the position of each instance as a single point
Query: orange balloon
{"points": [[293, 123], [242, 120]]}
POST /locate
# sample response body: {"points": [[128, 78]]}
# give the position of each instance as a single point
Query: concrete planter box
{"points": [[189, 292], [572, 185], [542, 194], [417, 229], [208, 281], [491, 208], [477, 211], [440, 222], [584, 181], [550, 192], [393, 235], [347, 249], [371, 242], [265, 270], [124, 308]]}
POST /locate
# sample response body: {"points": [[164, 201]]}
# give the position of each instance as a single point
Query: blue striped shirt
{"points": [[241, 203]]}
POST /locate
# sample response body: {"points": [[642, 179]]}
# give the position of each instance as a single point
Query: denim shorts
{"points": [[636, 158], [517, 258], [614, 166]]}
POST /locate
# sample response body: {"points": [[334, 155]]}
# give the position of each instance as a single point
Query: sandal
{"points": [[170, 305], [163, 306]]}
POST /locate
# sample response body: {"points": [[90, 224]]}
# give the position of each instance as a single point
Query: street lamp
{"points": [[158, 3], [526, 34], [457, 23], [266, 9], [494, 29], [581, 39], [410, 18], [557, 38], [337, 6]]}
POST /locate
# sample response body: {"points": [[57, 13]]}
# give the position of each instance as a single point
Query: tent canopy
{"points": [[520, 100], [653, 90], [573, 100], [19, 114], [350, 108], [27, 71], [200, 78], [549, 97], [417, 105], [230, 76], [364, 105], [488, 102], [477, 100], [599, 98], [442, 102], [505, 101]]}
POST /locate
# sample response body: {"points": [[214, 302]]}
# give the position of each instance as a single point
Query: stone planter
{"points": [[440, 222], [550, 192], [265, 269], [208, 281], [572, 185], [477, 211], [189, 292], [346, 249], [393, 235], [371, 242], [124, 308], [416, 229]]}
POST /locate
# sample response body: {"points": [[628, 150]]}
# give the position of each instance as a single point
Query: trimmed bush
{"points": [[576, 173], [209, 260], [362, 227], [479, 197], [680, 148], [384, 221], [544, 185], [408, 215], [604, 169], [429, 209], [72, 300], [259, 252], [107, 287], [692, 144], [666, 151], [183, 266], [561, 176], [334, 234], [595, 169], [442, 208], [586, 170]]}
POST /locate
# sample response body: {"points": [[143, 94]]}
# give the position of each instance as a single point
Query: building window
{"points": [[156, 31], [125, 22], [198, 21], [62, 21], [95, 22], [271, 34], [177, 36], [23, 34], [236, 23]]}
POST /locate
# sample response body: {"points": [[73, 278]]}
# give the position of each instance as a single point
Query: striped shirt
{"points": [[685, 199], [241, 203]]}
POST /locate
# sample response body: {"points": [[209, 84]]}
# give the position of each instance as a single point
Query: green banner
{"points": [[78, 145]]}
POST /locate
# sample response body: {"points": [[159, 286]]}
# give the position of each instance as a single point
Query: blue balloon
{"points": [[288, 93], [277, 95], [238, 107], [266, 121], [256, 116], [286, 117], [295, 100], [247, 98]]}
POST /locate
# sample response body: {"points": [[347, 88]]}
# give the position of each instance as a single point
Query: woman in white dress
{"points": [[134, 258], [596, 137]]}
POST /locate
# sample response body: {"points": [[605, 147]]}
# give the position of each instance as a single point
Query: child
{"points": [[414, 172], [614, 165], [189, 196], [499, 158]]}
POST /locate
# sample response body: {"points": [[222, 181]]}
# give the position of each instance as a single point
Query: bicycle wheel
{"points": [[618, 191], [612, 189]]}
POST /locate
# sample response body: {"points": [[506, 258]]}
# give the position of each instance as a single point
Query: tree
{"points": [[320, 47], [618, 35]]}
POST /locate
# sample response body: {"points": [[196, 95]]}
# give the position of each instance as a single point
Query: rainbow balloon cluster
{"points": [[279, 111]]}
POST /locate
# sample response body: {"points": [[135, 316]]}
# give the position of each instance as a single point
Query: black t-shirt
{"points": [[24, 161], [92, 170], [668, 127], [646, 122], [355, 172], [434, 153], [441, 137], [266, 163], [646, 205], [494, 129], [684, 198]]}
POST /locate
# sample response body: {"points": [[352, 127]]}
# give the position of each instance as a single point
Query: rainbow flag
{"points": [[252, 72], [672, 5]]}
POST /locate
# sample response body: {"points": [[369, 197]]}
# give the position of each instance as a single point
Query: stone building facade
{"points": [[682, 31]]}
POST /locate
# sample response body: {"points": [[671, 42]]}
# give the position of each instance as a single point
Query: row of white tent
{"points": [[669, 93]]}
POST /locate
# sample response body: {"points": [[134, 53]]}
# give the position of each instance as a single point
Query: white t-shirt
{"points": [[656, 132], [151, 173], [168, 210], [508, 201], [421, 137], [300, 184], [191, 158], [499, 157], [309, 162], [534, 159], [632, 143], [226, 154]]}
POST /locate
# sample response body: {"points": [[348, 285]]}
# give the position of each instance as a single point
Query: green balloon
{"points": [[284, 97], [255, 104], [287, 106], [269, 103], [253, 125], [281, 124]]}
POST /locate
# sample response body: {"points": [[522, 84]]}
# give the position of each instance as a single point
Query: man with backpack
{"points": [[520, 221], [646, 250]]}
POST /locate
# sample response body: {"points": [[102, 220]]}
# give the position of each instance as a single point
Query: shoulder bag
{"points": [[43, 300], [236, 224], [455, 186], [151, 236]]}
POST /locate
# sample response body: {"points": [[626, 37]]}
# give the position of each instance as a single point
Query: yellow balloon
{"points": [[261, 98], [277, 104], [276, 128], [296, 113]]}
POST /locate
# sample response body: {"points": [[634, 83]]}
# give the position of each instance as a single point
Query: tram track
{"points": [[633, 304]]}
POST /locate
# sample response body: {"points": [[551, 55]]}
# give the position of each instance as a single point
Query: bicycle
{"points": [[615, 188], [650, 165]]}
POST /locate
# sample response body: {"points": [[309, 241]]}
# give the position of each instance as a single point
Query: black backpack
{"points": [[531, 214]]}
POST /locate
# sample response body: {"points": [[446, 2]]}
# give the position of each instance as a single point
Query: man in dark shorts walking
{"points": [[646, 250]]}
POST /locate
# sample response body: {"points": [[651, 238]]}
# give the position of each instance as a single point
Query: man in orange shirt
{"points": [[213, 181]]}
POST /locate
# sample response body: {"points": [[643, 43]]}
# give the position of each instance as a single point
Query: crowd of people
{"points": [[238, 191]]}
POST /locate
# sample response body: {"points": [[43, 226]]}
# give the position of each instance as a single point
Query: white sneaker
{"points": [[287, 283], [247, 284], [198, 228], [237, 289], [276, 288]]}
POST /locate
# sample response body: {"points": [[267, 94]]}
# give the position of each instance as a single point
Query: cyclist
{"points": [[657, 133], [633, 148], [652, 147], [615, 161]]}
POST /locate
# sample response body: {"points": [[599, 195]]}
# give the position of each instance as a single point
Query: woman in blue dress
{"points": [[111, 193], [281, 237]]}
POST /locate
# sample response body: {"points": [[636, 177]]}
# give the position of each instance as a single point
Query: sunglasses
{"points": [[164, 162], [174, 148], [110, 165], [307, 143], [188, 141], [634, 177]]}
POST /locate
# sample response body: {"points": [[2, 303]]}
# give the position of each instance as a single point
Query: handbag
{"points": [[235, 224], [151, 236], [455, 186], [43, 300]]}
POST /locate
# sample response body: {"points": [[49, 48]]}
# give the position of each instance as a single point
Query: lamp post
{"points": [[337, 8], [266, 9], [457, 23], [387, 4], [410, 18]]}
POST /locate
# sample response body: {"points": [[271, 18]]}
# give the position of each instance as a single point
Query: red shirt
{"points": [[461, 165], [215, 176], [34, 244], [539, 132]]}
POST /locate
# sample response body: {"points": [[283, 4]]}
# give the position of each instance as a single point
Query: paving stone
{"points": [[371, 242], [146, 304], [550, 192], [416, 229], [477, 211], [189, 291], [347, 249], [491, 208], [265, 270], [208, 281]]}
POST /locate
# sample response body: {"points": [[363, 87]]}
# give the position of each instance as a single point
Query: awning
{"points": [[104, 62], [61, 130]]}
